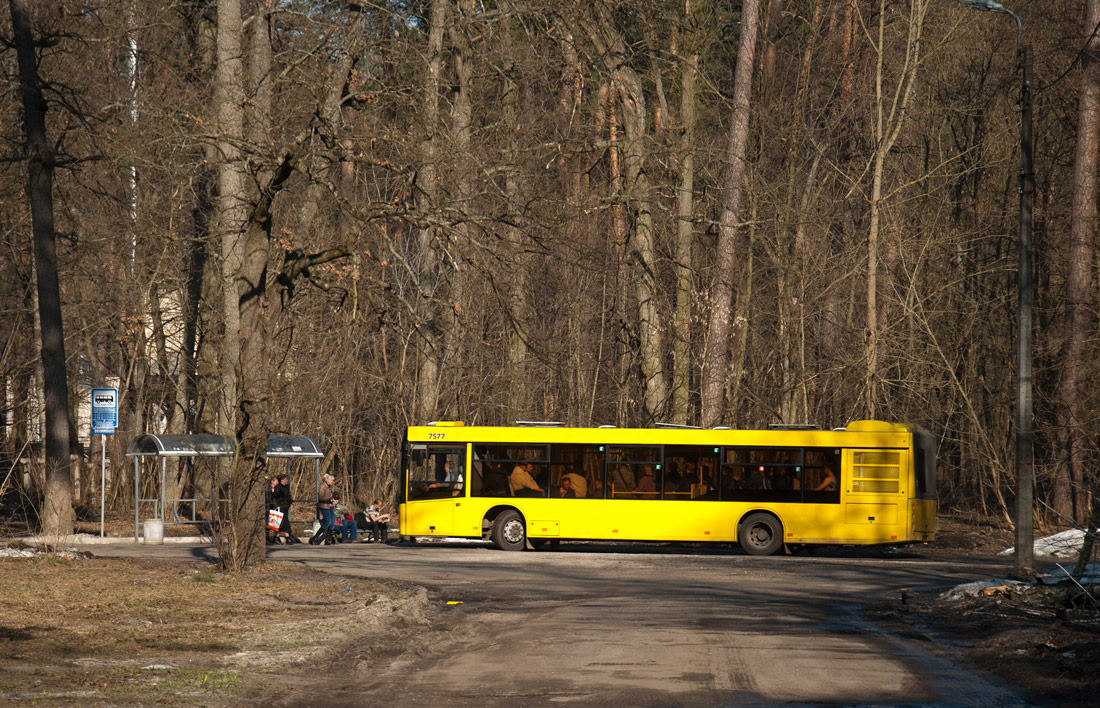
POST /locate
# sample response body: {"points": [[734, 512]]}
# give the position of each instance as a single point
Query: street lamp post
{"points": [[1024, 555]]}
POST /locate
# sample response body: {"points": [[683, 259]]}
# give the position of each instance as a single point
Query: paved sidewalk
{"points": [[87, 539]]}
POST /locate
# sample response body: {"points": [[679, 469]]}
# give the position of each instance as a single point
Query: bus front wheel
{"points": [[760, 535], [509, 531]]}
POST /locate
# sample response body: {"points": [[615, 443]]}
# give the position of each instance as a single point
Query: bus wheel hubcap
{"points": [[513, 532]]}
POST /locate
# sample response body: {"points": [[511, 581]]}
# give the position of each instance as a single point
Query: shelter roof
{"points": [[292, 446], [204, 445], [217, 446]]}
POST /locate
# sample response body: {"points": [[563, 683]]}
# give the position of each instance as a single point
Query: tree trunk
{"points": [[717, 351], [618, 249], [685, 231], [186, 383], [464, 176], [429, 335], [890, 115], [246, 488], [741, 331], [636, 192], [1069, 475], [248, 479], [259, 71], [800, 266], [518, 394], [243, 546], [57, 512], [643, 247], [232, 200]]}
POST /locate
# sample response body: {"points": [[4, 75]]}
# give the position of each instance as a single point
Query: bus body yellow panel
{"points": [[870, 483], [431, 518]]}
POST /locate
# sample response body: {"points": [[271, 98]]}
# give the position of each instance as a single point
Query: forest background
{"points": [[337, 219]]}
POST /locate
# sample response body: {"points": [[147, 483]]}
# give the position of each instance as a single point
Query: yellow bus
{"points": [[869, 483]]}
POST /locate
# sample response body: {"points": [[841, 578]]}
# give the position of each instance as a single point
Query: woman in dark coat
{"points": [[270, 502], [283, 501]]}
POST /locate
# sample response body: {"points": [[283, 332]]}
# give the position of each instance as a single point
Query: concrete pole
{"points": [[1024, 556]]}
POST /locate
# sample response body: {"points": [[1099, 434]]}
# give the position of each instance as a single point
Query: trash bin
{"points": [[154, 531]]}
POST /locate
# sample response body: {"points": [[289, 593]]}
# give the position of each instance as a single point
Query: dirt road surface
{"points": [[634, 626]]}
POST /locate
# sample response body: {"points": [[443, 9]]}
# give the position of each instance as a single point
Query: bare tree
{"points": [[57, 513], [519, 319], [730, 245], [611, 49], [430, 344], [232, 196], [241, 548], [685, 217], [891, 112], [1070, 496]]}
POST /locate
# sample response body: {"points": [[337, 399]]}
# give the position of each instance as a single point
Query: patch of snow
{"points": [[1066, 544], [457, 540], [32, 553], [996, 586], [19, 553], [1092, 574], [975, 588]]}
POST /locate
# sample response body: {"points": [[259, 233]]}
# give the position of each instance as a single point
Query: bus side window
{"points": [[582, 465], [428, 470], [817, 488], [496, 463], [477, 477], [418, 472], [771, 475], [691, 473]]}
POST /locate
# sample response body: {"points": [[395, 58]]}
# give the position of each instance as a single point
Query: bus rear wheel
{"points": [[509, 532], [760, 535]]}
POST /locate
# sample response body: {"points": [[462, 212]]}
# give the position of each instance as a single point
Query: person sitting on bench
{"points": [[377, 522]]}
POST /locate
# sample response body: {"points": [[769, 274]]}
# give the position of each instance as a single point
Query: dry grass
{"points": [[93, 631]]}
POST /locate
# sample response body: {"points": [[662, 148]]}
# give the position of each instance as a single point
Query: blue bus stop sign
{"points": [[104, 411]]}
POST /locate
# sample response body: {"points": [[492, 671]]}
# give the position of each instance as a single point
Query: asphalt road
{"points": [[643, 626]]}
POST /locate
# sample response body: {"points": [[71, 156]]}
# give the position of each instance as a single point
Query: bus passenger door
{"points": [[875, 495], [437, 476]]}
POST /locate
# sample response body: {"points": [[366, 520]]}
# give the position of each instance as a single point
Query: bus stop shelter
{"points": [[165, 447], [291, 448]]}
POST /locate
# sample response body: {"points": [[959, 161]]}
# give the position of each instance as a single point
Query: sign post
{"points": [[104, 422]]}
